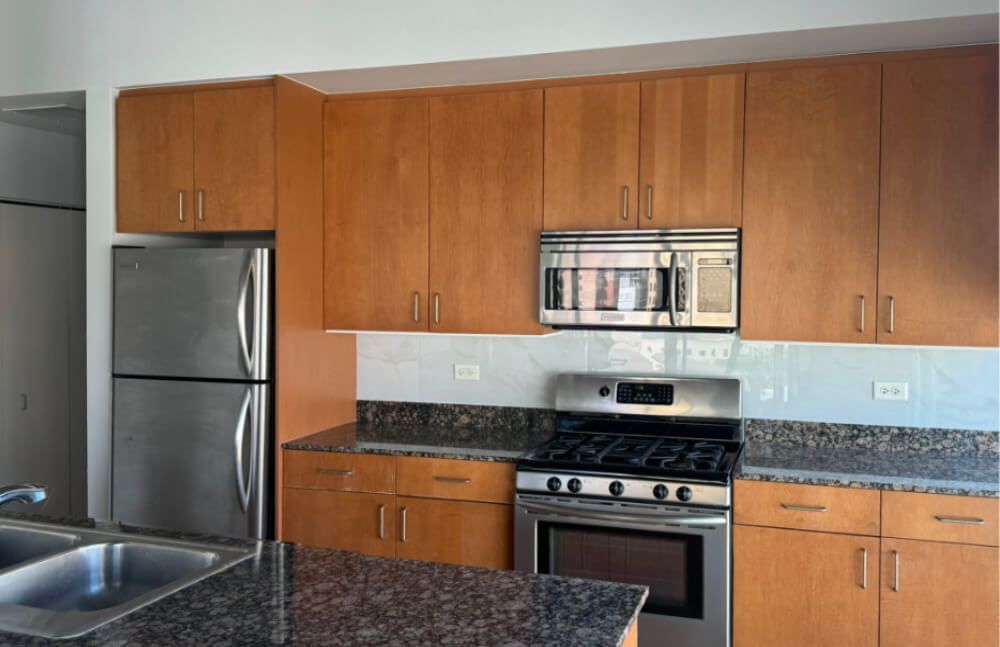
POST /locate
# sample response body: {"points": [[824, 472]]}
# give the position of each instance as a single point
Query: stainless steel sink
{"points": [[18, 544], [108, 575]]}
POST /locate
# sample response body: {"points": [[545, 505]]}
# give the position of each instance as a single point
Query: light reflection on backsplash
{"points": [[948, 387]]}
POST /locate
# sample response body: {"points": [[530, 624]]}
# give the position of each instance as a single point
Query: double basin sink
{"points": [[60, 582]]}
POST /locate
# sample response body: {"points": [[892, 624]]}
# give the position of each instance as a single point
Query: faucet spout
{"points": [[23, 493]]}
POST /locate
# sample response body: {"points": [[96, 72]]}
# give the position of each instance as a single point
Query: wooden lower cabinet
{"points": [[940, 594], [455, 532], [793, 588], [354, 521]]}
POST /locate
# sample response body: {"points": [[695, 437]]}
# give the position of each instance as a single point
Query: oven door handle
{"points": [[643, 519]]}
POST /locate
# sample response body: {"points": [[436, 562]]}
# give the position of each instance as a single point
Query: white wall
{"points": [[41, 166], [100, 45]]}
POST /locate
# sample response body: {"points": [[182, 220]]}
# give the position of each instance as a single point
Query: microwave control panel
{"points": [[643, 393]]}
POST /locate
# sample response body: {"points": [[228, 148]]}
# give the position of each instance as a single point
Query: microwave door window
{"points": [[593, 289]]}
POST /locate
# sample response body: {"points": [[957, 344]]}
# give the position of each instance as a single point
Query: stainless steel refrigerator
{"points": [[192, 430]]}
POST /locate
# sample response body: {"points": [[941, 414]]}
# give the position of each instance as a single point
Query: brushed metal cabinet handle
{"points": [[864, 568], [180, 206], [416, 306], [964, 521], [24, 402], [201, 205], [895, 576], [649, 202], [437, 307], [331, 472], [892, 315], [625, 202], [453, 479], [804, 508], [381, 521], [403, 534], [861, 323]]}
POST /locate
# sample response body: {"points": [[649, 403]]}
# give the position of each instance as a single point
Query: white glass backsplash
{"points": [[948, 387]]}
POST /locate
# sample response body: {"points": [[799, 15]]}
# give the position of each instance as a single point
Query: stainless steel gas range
{"points": [[636, 487]]}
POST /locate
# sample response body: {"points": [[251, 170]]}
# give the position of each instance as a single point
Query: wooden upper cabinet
{"points": [[234, 159], [591, 156], [155, 176], [375, 215], [810, 204], [485, 212], [938, 225], [691, 152], [938, 594]]}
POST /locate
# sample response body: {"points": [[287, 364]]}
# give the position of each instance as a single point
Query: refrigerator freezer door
{"points": [[189, 455], [192, 313]]}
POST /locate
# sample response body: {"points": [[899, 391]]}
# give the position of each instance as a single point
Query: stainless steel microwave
{"points": [[661, 278]]}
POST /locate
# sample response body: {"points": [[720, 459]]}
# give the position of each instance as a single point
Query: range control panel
{"points": [[645, 393]]}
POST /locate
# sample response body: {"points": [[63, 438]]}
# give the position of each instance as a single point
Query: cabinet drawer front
{"points": [[807, 507], [940, 517], [455, 479], [333, 471]]}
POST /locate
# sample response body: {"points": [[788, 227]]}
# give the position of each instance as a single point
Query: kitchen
{"points": [[475, 256]]}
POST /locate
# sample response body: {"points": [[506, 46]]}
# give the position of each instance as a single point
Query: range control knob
{"points": [[553, 483], [660, 491], [684, 493], [574, 485], [616, 488], [604, 391]]}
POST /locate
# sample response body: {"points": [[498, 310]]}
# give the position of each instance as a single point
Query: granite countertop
{"points": [[288, 594], [940, 473], [401, 439]]}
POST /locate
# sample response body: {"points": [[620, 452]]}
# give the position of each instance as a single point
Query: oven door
{"points": [[681, 554]]}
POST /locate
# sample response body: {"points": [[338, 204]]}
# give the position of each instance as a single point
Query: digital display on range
{"points": [[642, 393]]}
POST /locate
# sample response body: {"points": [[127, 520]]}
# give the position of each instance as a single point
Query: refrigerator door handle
{"points": [[241, 319], [243, 485]]}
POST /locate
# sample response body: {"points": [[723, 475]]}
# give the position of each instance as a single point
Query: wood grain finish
{"points": [[155, 150], [446, 479], [314, 371], [456, 532], [939, 517], [632, 637], [334, 471], [810, 207], [691, 152], [794, 588], [376, 215], [485, 211], [938, 234], [947, 595], [591, 153], [365, 523], [845, 510], [234, 159]]}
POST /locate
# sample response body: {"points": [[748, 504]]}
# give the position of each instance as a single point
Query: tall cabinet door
{"points": [[938, 224], [375, 214], [591, 156], [485, 211], [810, 206], [234, 159], [154, 167], [691, 153]]}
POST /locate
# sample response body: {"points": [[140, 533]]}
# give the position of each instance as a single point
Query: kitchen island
{"points": [[287, 594]]}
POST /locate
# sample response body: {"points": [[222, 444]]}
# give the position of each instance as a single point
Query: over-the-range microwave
{"points": [[662, 278]]}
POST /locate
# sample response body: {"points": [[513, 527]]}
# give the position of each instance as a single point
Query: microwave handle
{"points": [[672, 287]]}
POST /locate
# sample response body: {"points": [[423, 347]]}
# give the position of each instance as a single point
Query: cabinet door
{"points": [[591, 156], [810, 206], [691, 154], [456, 532], [375, 215], [364, 523], [155, 153], [234, 159], [938, 224], [485, 212], [794, 588], [938, 594]]}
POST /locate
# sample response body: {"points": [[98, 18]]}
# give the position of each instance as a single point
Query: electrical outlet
{"points": [[467, 372], [890, 391]]}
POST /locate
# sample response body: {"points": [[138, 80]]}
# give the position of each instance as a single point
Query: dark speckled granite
{"points": [[446, 416], [287, 594]]}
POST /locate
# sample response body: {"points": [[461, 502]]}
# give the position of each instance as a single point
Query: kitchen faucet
{"points": [[24, 493]]}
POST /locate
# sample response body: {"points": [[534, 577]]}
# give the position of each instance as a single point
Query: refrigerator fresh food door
{"points": [[192, 456], [192, 313]]}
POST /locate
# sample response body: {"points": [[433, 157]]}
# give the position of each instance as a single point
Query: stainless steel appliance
{"points": [[665, 278], [193, 390], [636, 487]]}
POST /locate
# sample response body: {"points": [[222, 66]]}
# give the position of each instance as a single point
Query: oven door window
{"points": [[671, 565], [616, 289]]}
